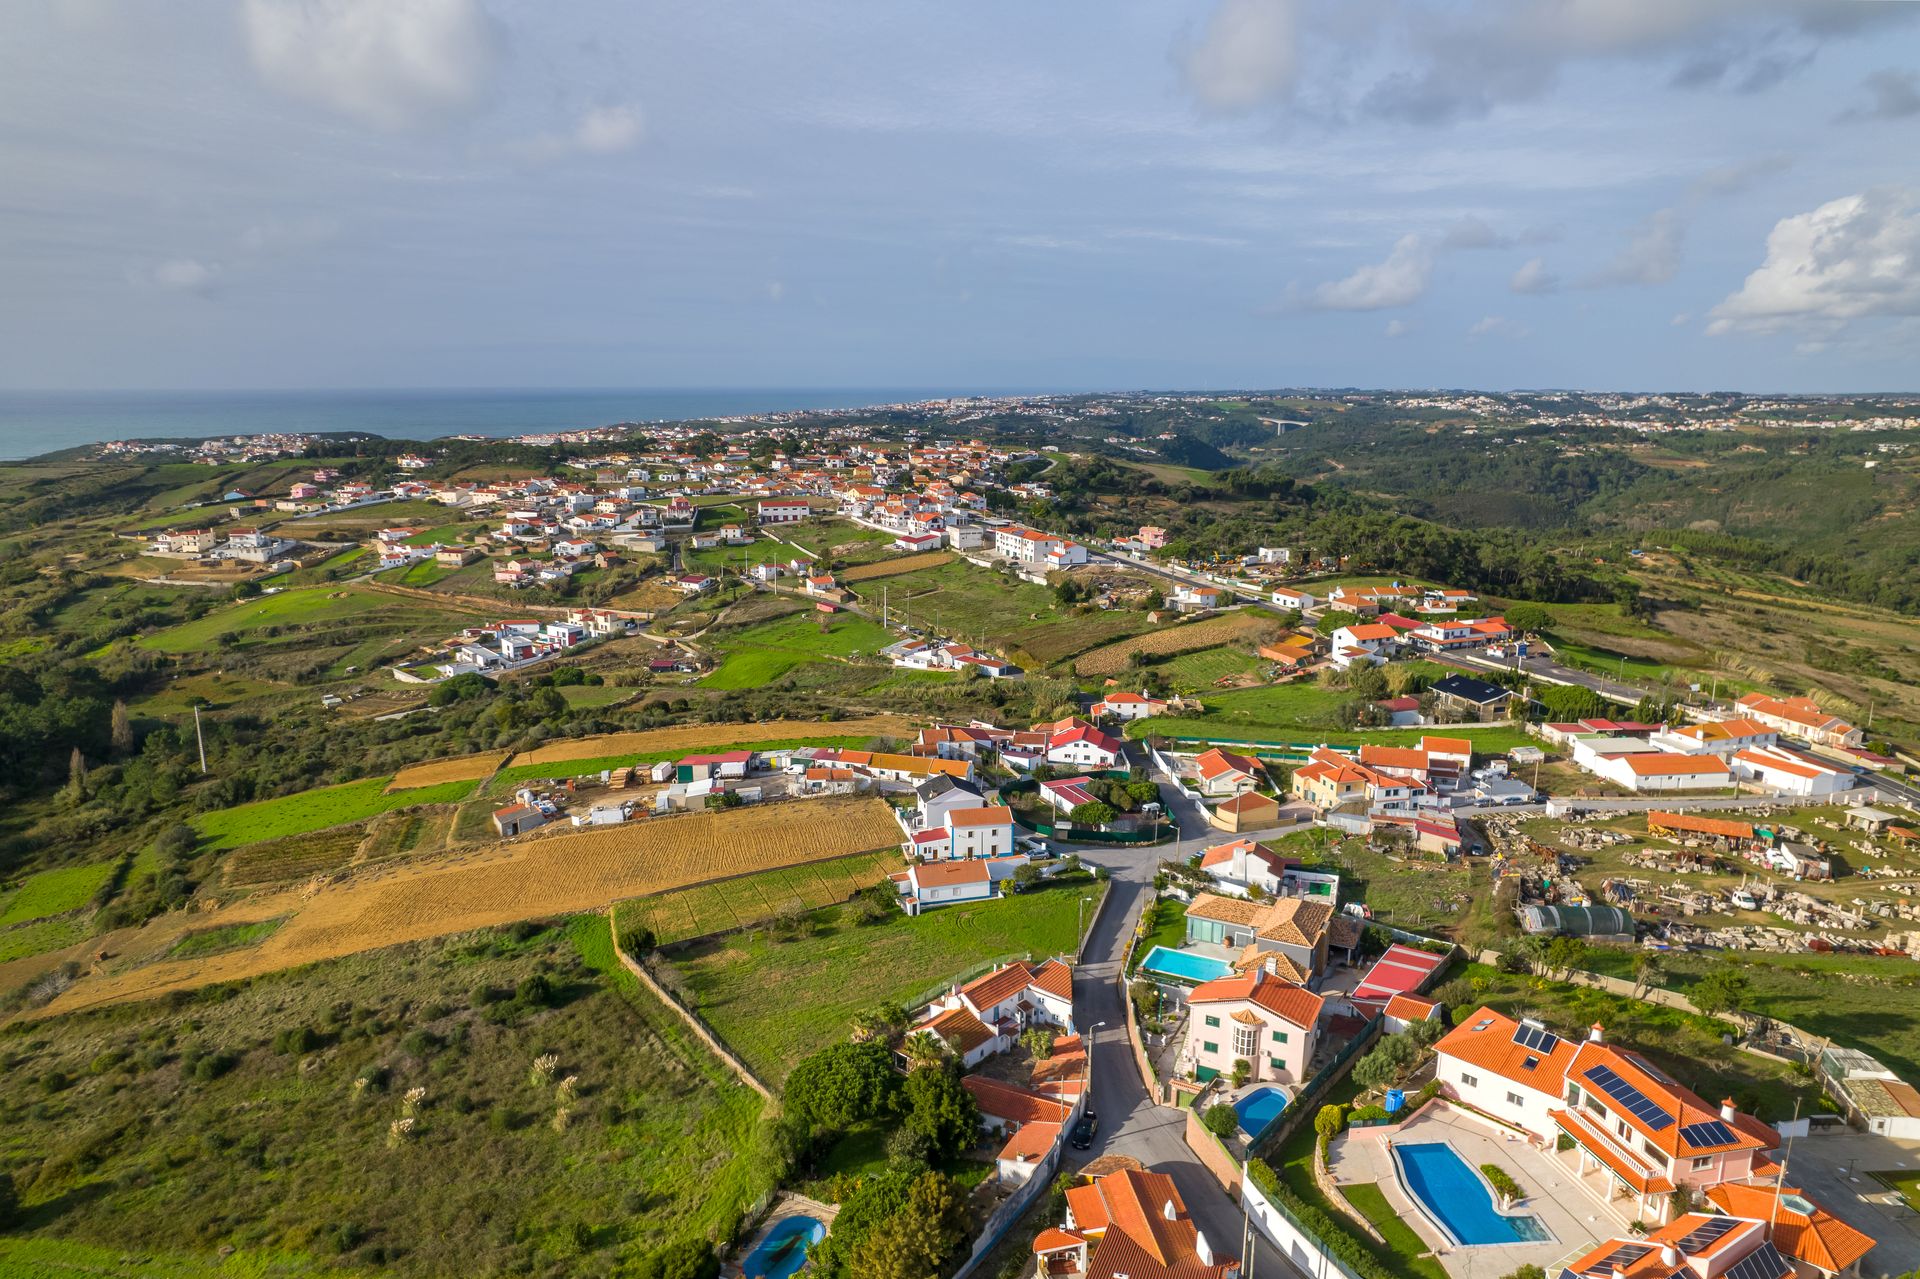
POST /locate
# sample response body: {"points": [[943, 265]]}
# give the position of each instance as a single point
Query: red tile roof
{"points": [[1486, 1041], [1295, 1004], [1014, 1104], [1801, 1228]]}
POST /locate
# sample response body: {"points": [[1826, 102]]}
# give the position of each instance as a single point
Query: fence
{"points": [[1011, 1209], [1295, 1240], [706, 1034]]}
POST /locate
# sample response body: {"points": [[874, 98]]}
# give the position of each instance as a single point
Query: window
{"points": [[1214, 1022], [1279, 1036], [1276, 1063], [1209, 1048], [1246, 1041], [1700, 1163], [1471, 1081], [1515, 1099]]}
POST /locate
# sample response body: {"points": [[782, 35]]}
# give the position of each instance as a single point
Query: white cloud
{"points": [[1397, 328], [1402, 278], [603, 130], [1533, 277], [1248, 54], [394, 64], [1850, 258], [184, 275], [1650, 256], [1498, 326]]}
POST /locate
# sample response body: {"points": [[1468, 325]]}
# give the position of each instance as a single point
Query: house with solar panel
{"points": [[1635, 1135], [1793, 1238]]}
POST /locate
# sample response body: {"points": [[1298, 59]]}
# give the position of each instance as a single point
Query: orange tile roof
{"points": [[1682, 1104], [959, 1029], [1446, 745], [1410, 1007], [1015, 1104], [948, 874], [1149, 1234], [1031, 1142], [1642, 1178], [1295, 1004], [1213, 762], [1393, 757], [1801, 1227], [1700, 825], [995, 815], [1486, 1040], [1661, 764]]}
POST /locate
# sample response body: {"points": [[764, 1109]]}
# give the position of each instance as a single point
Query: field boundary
{"points": [[714, 1043], [893, 568]]}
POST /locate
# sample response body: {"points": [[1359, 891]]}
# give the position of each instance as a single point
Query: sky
{"points": [[1611, 194]]}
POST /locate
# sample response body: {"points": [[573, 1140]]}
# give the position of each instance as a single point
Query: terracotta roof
{"points": [[1700, 825], [1054, 1239], [947, 874], [1283, 999], [1014, 1104], [1410, 1007], [1251, 959], [1149, 1234], [1250, 802], [1801, 1228], [1486, 1040], [1682, 1105], [1294, 920], [1004, 983], [1661, 764], [1213, 762], [1031, 1142], [1447, 745], [1394, 757], [1590, 1139], [996, 815], [1220, 854], [1055, 978], [959, 1029]]}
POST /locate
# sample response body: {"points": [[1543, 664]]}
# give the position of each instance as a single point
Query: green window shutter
{"points": [[1276, 1063], [1207, 1047], [1213, 1021], [1279, 1036]]}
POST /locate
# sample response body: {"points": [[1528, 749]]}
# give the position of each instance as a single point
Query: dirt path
{"points": [[541, 877]]}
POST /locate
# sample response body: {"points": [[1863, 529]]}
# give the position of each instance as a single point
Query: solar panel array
{"points": [[1705, 1233], [1712, 1133], [1625, 1255], [1536, 1038], [1635, 1102], [1764, 1262]]}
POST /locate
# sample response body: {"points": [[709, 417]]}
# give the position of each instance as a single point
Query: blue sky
{"points": [[1676, 194]]}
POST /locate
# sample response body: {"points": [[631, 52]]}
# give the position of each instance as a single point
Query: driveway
{"points": [[1130, 1123]]}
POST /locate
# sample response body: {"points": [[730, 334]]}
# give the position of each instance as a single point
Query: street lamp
{"points": [[1079, 920], [1086, 1061]]}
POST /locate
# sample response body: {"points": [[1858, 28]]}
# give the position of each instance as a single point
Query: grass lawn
{"points": [[739, 903], [759, 654], [1906, 1181], [966, 602], [424, 573], [758, 551], [1169, 928], [864, 1150], [1399, 1235], [213, 941], [823, 980], [318, 809], [297, 607], [54, 892], [1201, 670], [590, 696], [38, 938]]}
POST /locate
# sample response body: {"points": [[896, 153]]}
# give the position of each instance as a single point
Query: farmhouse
{"points": [[942, 883], [1801, 717], [1084, 746], [1129, 706], [1473, 699], [516, 819], [1220, 772], [782, 510]]}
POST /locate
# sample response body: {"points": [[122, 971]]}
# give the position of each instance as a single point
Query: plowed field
{"points": [[888, 568], [466, 768], [539, 877], [693, 737], [1224, 629]]}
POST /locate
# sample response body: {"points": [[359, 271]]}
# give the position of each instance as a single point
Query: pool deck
{"points": [[1576, 1217], [788, 1205]]}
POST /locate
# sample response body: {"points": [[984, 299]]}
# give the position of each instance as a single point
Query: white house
{"points": [[1645, 771], [942, 883], [1266, 1021], [783, 510], [1515, 1071], [1718, 737], [1368, 642], [1129, 706], [1083, 746], [981, 832], [1790, 772]]}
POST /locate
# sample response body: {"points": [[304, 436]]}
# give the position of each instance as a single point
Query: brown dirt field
{"points": [[695, 736], [888, 568], [557, 875], [463, 769], [1223, 629]]}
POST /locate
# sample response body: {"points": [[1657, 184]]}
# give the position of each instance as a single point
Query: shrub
{"points": [[1329, 1120], [687, 1259], [1221, 1120], [1331, 1234], [638, 941], [1502, 1181], [295, 1041], [1369, 1114], [1528, 1271]]}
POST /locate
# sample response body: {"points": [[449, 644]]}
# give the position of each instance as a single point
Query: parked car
{"points": [[1081, 1138], [1032, 847]]}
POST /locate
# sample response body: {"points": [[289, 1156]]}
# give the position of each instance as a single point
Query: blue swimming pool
{"points": [[1259, 1108], [1183, 965], [784, 1251], [1458, 1199]]}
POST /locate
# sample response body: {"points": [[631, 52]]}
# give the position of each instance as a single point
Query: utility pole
{"points": [[201, 738]]}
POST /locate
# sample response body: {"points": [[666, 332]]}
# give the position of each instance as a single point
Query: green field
{"points": [[54, 892], [318, 809], [38, 938], [213, 941], [593, 696], [774, 1002], [965, 602], [269, 1146], [302, 606], [759, 654], [1201, 670], [740, 903], [758, 551]]}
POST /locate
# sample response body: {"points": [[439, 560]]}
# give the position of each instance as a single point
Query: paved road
{"points": [[1130, 1124], [1545, 668]]}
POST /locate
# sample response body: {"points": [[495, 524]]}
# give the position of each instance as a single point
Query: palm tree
{"points": [[866, 1026], [923, 1048]]}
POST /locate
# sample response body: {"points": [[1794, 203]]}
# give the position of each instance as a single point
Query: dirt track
{"points": [[693, 737], [539, 877]]}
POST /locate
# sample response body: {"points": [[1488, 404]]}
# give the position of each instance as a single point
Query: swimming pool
{"points": [[784, 1251], [1183, 965], [1259, 1108], [1458, 1198]]}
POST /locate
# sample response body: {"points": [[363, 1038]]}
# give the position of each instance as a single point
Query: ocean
{"points": [[36, 422]]}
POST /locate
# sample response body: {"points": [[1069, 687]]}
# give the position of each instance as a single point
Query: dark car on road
{"points": [[1081, 1138]]}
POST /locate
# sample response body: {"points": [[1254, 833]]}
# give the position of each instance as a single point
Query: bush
{"points": [[1502, 1181], [638, 942], [296, 1041], [1331, 1234], [1528, 1271], [1329, 1120], [687, 1259], [1370, 1114], [1221, 1120]]}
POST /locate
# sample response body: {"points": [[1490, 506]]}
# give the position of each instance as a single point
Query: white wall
{"points": [[1489, 1093]]}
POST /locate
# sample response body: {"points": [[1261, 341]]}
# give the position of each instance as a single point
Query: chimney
{"points": [[1726, 1109], [1619, 1272], [1594, 1034], [1669, 1255], [1167, 1211]]}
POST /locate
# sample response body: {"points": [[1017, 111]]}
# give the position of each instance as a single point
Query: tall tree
{"points": [[121, 731]]}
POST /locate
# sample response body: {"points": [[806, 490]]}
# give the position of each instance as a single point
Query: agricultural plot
{"points": [[318, 809], [294, 857], [593, 696], [39, 937], [1052, 642], [467, 768], [760, 654], [694, 737], [741, 903], [420, 830], [893, 568], [1227, 628], [968, 603], [1206, 668], [54, 892], [300, 607], [508, 778], [536, 879], [213, 941], [844, 968]]}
